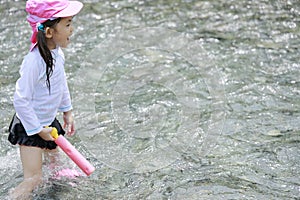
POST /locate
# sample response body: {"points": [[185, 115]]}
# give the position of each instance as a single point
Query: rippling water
{"points": [[173, 99]]}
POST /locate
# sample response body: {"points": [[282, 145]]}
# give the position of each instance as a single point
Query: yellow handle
{"points": [[54, 133]]}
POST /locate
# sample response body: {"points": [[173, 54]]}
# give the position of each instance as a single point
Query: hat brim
{"points": [[72, 9]]}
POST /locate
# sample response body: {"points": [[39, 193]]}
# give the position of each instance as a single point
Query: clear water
{"points": [[173, 99]]}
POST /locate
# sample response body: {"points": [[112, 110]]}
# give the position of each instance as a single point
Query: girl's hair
{"points": [[44, 50]]}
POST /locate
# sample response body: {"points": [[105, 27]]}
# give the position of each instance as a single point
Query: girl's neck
{"points": [[51, 45]]}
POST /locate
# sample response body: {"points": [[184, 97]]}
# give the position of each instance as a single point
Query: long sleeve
{"points": [[65, 104], [29, 74]]}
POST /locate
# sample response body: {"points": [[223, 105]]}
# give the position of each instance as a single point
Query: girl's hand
{"points": [[45, 134], [69, 123]]}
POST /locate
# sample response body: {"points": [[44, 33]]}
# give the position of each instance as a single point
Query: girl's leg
{"points": [[51, 158], [31, 158], [56, 165]]}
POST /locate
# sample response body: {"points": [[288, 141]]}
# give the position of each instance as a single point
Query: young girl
{"points": [[41, 90]]}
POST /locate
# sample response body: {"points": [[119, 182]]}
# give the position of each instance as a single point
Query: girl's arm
{"points": [[66, 106], [69, 123], [45, 134], [23, 95]]}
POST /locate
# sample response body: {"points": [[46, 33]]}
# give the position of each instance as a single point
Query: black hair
{"points": [[44, 50]]}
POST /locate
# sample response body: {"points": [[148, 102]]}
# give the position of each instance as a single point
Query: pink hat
{"points": [[40, 11]]}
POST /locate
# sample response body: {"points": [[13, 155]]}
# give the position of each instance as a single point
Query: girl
{"points": [[41, 90]]}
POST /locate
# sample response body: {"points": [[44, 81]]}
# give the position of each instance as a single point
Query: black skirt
{"points": [[18, 135]]}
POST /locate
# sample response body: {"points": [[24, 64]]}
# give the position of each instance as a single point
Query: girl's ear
{"points": [[49, 32]]}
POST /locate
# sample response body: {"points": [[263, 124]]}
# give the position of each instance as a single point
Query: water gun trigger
{"points": [[54, 133]]}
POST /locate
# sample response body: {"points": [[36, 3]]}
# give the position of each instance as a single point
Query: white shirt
{"points": [[34, 106]]}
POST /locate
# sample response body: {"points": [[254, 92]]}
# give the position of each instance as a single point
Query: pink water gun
{"points": [[70, 150]]}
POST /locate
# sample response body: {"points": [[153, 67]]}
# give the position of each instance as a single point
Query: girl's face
{"points": [[61, 33]]}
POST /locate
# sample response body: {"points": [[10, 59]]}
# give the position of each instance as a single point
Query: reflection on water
{"points": [[173, 99]]}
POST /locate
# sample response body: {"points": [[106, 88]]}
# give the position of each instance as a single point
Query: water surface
{"points": [[173, 99]]}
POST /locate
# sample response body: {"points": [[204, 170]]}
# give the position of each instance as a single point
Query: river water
{"points": [[174, 99]]}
